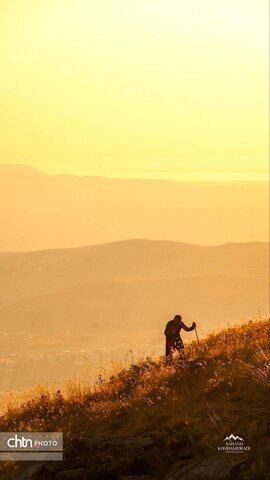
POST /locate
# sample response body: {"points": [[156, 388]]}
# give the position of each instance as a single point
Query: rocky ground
{"points": [[166, 454]]}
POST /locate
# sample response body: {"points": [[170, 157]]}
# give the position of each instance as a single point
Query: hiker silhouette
{"points": [[174, 342]]}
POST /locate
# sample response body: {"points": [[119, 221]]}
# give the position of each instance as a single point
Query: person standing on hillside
{"points": [[174, 342]]}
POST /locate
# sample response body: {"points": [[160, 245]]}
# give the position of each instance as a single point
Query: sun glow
{"points": [[169, 89]]}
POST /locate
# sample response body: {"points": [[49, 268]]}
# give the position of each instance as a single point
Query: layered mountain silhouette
{"points": [[132, 285], [39, 211]]}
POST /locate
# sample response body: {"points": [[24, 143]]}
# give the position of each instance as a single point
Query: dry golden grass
{"points": [[222, 388]]}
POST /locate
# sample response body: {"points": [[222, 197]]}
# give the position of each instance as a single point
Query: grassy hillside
{"points": [[173, 418]]}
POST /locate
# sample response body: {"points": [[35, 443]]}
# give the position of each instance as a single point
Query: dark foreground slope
{"points": [[152, 422]]}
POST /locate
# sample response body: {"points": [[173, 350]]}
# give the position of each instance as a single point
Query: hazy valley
{"points": [[120, 295]]}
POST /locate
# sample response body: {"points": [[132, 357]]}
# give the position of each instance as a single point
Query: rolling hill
{"points": [[132, 285]]}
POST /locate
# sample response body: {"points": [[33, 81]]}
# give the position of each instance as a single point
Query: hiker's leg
{"points": [[168, 353], [179, 347], [182, 357]]}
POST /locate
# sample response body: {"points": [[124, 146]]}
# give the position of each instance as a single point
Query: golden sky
{"points": [[146, 88]]}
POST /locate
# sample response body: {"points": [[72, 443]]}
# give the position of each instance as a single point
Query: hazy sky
{"points": [[145, 88]]}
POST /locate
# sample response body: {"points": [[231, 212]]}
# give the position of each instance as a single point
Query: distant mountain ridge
{"points": [[41, 211], [129, 285]]}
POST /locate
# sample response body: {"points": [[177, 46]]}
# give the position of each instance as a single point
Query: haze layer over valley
{"points": [[66, 310], [131, 285], [42, 211]]}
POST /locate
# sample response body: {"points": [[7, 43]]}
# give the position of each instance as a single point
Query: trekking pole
{"points": [[197, 336]]}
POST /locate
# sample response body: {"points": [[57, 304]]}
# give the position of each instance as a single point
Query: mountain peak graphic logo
{"points": [[233, 438]]}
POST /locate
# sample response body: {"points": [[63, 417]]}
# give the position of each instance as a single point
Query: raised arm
{"points": [[188, 329]]}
